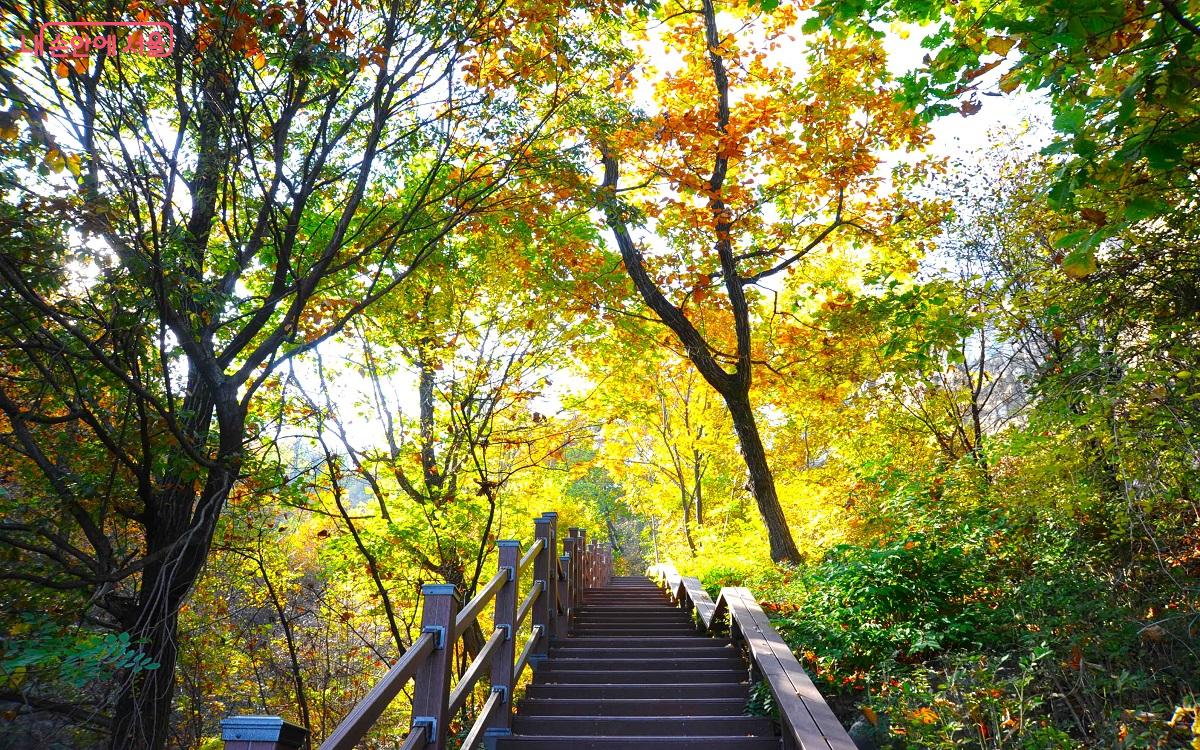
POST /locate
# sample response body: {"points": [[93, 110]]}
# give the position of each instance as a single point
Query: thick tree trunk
{"points": [[180, 522], [762, 483], [143, 711]]}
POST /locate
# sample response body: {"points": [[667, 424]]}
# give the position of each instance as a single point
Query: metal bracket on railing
{"points": [[512, 572], [536, 659], [492, 736], [545, 588], [503, 691], [430, 724], [507, 630], [439, 633]]}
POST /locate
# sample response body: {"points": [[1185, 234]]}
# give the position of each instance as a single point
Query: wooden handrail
{"points": [[416, 739], [466, 617], [523, 611], [808, 721], [494, 701], [523, 659], [531, 553], [467, 682], [557, 583], [364, 715]]}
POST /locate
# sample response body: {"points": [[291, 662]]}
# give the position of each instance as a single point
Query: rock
{"points": [[865, 735]]}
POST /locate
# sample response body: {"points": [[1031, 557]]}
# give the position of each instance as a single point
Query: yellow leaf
{"points": [[260, 61], [9, 132], [1009, 82], [73, 164], [1001, 44], [1079, 264], [54, 160]]}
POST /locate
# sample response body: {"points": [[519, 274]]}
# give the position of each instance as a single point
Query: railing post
{"points": [[262, 733], [504, 617], [431, 687], [541, 572], [585, 564], [579, 560], [554, 632], [572, 559], [563, 624], [594, 565]]}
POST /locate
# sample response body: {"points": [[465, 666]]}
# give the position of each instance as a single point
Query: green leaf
{"points": [[1071, 120], [1057, 147], [1074, 238], [1061, 192], [1144, 207], [1162, 155]]}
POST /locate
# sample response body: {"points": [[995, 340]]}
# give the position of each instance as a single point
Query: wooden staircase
{"points": [[635, 673], [618, 662]]}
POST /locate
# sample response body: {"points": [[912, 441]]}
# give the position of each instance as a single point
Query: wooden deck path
{"points": [[619, 663]]}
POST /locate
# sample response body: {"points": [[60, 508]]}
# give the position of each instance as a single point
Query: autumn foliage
{"points": [[317, 308]]}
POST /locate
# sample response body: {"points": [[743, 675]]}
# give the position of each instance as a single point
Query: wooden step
{"points": [[650, 631], [680, 664], [632, 706], [647, 619], [522, 742], [630, 624], [665, 615], [659, 642], [700, 651], [659, 605], [637, 677], [644, 726], [601, 691]]}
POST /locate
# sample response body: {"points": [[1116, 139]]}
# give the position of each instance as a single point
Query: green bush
{"points": [[904, 600]]}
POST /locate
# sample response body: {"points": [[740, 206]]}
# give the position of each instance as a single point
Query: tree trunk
{"points": [[143, 711], [686, 503], [179, 523], [762, 483]]}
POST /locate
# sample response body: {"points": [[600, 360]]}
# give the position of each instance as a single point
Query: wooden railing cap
{"points": [[509, 543], [263, 729], [439, 589]]}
